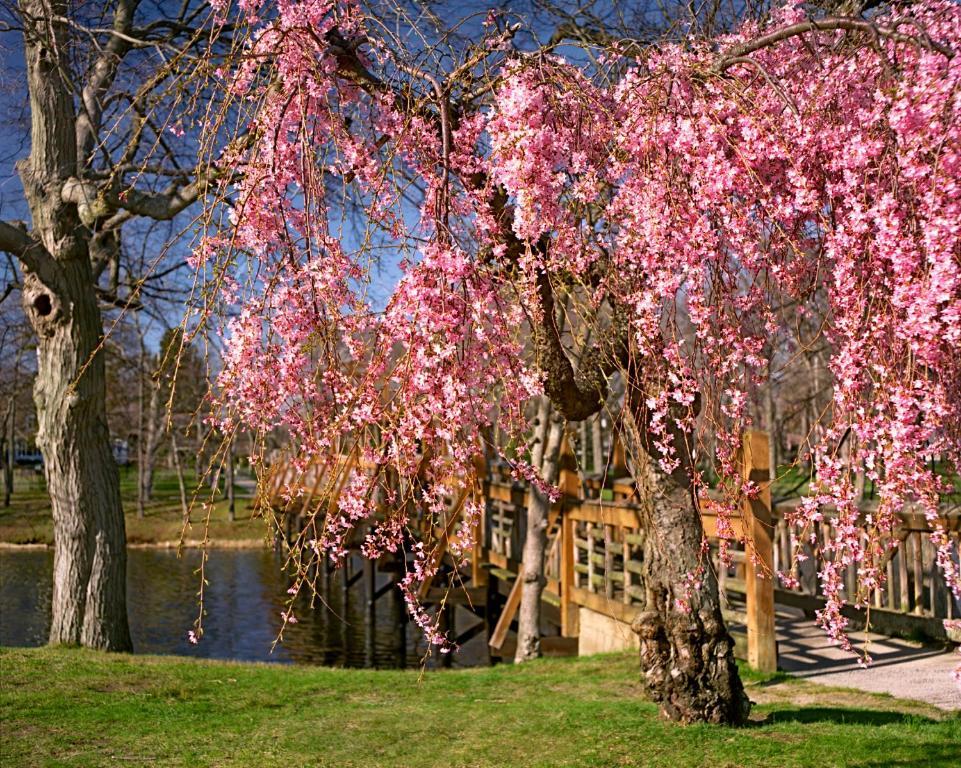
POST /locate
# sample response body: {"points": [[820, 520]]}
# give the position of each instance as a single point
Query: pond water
{"points": [[246, 592]]}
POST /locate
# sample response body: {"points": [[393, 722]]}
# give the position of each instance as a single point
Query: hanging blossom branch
{"points": [[692, 197]]}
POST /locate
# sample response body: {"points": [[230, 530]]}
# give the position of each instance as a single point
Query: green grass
{"points": [[28, 521], [80, 708]]}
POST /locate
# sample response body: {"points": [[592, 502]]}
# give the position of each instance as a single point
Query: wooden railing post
{"points": [[570, 487], [570, 618], [478, 572], [759, 575]]}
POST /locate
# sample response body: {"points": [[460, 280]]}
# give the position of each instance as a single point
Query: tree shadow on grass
{"points": [[843, 716], [938, 756]]}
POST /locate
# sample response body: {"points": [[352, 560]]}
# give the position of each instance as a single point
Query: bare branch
{"points": [[103, 73], [737, 53], [29, 251], [162, 206], [95, 202]]}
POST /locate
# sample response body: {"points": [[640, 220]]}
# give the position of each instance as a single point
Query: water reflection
{"points": [[245, 595]]}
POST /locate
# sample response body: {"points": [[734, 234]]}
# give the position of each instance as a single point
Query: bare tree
{"points": [[105, 100]]}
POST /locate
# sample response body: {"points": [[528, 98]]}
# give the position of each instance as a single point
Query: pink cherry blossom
{"points": [[821, 171]]}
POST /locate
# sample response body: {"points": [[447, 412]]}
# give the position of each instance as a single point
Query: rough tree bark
{"points": [[89, 589], [546, 458], [687, 655], [90, 559]]}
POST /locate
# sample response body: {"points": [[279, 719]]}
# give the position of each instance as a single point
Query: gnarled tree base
{"points": [[688, 665]]}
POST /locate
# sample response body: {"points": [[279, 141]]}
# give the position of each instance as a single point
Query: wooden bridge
{"points": [[594, 568]]}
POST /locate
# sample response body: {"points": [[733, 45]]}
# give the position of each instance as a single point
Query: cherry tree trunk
{"points": [[535, 542], [686, 653]]}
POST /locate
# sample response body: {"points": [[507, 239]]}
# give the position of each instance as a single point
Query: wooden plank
{"points": [[604, 514], [887, 562], [932, 575], [559, 646], [304, 510], [636, 593], [508, 494], [709, 522], [904, 595], [918, 575], [590, 559], [740, 645], [551, 646], [568, 481], [625, 570], [507, 615], [612, 608], [734, 617], [473, 596], [882, 621], [609, 561]]}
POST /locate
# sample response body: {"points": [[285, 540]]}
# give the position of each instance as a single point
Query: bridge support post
{"points": [[400, 618], [370, 616]]}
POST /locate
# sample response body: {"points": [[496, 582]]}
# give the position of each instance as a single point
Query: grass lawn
{"points": [[79, 708], [28, 520]]}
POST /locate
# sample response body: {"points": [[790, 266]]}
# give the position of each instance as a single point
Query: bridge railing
{"points": [[596, 549], [915, 597], [595, 558]]}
